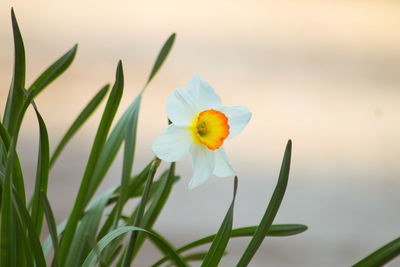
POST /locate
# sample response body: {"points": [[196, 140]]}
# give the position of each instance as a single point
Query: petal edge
{"points": [[173, 144]]}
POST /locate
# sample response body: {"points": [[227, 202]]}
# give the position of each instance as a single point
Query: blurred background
{"points": [[325, 74]]}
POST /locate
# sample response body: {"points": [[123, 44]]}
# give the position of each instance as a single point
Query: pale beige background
{"points": [[325, 74]]}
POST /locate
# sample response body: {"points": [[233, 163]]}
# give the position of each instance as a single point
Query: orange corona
{"points": [[210, 127]]}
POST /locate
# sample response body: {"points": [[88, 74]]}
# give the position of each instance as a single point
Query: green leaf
{"points": [[382, 255], [86, 232], [46, 246], [12, 116], [198, 256], [15, 96], [5, 138], [157, 204], [138, 219], [271, 211], [107, 239], [24, 217], [129, 151], [25, 254], [221, 239], [52, 72], [274, 230], [98, 145], [156, 187], [111, 148], [135, 184], [51, 223], [79, 121], [162, 56], [7, 238], [117, 135], [159, 192], [42, 174]]}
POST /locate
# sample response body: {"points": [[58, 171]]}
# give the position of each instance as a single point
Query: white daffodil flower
{"points": [[200, 125]]}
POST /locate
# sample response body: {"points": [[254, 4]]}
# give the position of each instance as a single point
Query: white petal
{"points": [[223, 166], [181, 108], [203, 163], [173, 144], [203, 94], [238, 117]]}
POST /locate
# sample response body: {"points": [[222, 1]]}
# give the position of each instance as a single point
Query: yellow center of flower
{"points": [[210, 127]]}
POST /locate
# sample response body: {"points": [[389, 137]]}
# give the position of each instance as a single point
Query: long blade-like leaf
{"points": [[138, 219], [117, 135], [98, 145], [42, 174], [86, 232], [24, 218], [111, 148], [157, 204], [274, 230], [129, 151], [382, 255], [162, 56], [79, 121], [7, 232], [221, 239], [135, 184], [46, 246], [51, 223], [272, 209], [5, 137], [16, 96], [91, 258], [52, 72]]}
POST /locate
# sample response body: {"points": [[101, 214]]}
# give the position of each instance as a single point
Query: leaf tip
{"points": [[13, 17], [119, 66], [289, 144]]}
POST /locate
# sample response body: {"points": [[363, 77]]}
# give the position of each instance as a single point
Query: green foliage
{"points": [[94, 230], [271, 211], [221, 239], [382, 255]]}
